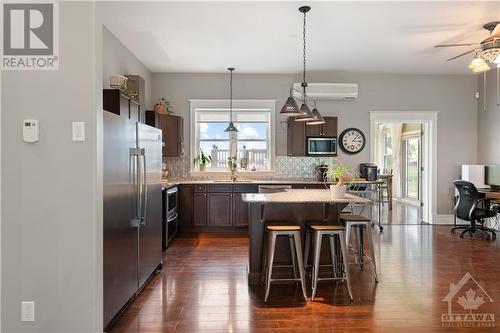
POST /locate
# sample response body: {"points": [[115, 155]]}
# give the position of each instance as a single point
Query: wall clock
{"points": [[352, 141]]}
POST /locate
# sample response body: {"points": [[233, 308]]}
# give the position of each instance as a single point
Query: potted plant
{"points": [[232, 164], [202, 160], [164, 106], [337, 175]]}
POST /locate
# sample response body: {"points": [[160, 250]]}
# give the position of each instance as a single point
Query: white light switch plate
{"points": [[78, 131], [28, 311]]}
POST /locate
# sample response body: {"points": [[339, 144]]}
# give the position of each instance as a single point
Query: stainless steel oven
{"points": [[322, 146], [170, 216]]}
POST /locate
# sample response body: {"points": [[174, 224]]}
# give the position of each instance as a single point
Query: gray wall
{"points": [[488, 121], [451, 95], [117, 59], [51, 236]]}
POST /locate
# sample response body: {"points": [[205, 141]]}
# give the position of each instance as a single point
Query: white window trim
{"points": [[195, 104], [429, 120]]}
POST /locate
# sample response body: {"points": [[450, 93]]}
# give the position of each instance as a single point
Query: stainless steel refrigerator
{"points": [[132, 209]]}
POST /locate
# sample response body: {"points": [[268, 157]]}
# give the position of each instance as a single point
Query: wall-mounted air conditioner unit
{"points": [[334, 91]]}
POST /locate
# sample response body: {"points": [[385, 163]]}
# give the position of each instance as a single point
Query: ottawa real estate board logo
{"points": [[468, 305], [30, 38]]}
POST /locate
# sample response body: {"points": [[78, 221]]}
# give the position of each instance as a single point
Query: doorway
{"points": [[404, 145]]}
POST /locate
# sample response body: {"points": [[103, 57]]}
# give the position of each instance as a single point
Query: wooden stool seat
{"points": [[354, 218], [283, 227], [327, 227]]}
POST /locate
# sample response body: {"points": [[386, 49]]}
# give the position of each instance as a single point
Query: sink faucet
{"points": [[233, 175]]}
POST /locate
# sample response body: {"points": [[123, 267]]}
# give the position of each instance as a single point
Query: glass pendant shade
{"points": [[231, 128], [290, 108], [318, 118], [305, 113], [478, 65]]}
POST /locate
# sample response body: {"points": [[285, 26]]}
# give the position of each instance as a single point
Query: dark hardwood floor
{"points": [[203, 288]]}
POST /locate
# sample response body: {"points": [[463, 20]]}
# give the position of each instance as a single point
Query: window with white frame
{"points": [[252, 145]]}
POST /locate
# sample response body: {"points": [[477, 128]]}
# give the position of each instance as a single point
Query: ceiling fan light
{"points": [[290, 108], [478, 64]]}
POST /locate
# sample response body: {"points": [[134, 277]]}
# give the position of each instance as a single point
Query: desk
{"points": [[494, 196]]}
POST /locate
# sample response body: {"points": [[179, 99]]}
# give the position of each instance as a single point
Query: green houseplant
{"points": [[164, 106], [202, 160], [232, 164], [338, 174]]}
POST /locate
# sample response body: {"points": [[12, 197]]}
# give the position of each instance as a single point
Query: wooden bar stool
{"points": [[332, 231], [292, 232], [359, 222]]}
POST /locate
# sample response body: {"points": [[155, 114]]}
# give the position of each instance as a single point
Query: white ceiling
{"points": [[266, 37]]}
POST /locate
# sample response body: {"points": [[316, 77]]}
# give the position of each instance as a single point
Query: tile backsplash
{"points": [[285, 167]]}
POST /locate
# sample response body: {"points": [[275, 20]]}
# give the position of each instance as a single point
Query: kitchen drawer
{"points": [[200, 187], [245, 188], [219, 187]]}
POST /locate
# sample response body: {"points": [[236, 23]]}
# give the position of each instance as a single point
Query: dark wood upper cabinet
{"points": [[296, 138], [219, 209], [113, 100], [200, 209], [329, 128], [313, 130], [172, 132]]}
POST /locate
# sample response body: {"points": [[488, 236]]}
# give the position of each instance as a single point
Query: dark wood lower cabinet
{"points": [[205, 207], [200, 209], [186, 206], [240, 211], [219, 209]]}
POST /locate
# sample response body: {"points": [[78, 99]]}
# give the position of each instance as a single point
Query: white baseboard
{"points": [[447, 219]]}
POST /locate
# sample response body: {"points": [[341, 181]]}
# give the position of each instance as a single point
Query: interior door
{"points": [[149, 141], [119, 233]]}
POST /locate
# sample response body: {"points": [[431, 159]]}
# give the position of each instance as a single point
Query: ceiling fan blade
{"points": [[461, 55], [452, 45]]}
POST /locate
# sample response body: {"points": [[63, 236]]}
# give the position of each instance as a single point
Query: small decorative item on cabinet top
{"points": [[118, 82], [164, 106], [232, 164]]}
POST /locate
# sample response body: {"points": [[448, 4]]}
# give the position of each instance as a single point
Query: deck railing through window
{"points": [[256, 157]]}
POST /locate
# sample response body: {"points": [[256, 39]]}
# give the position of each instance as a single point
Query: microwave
{"points": [[322, 146]]}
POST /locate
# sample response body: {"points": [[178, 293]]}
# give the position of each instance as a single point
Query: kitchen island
{"points": [[294, 206]]}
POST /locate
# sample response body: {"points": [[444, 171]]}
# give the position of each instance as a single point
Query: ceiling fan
{"points": [[488, 50]]}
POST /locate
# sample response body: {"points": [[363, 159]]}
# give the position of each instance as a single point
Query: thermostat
{"points": [[31, 132]]}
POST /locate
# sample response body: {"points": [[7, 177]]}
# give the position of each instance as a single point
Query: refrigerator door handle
{"points": [[145, 186], [133, 172]]}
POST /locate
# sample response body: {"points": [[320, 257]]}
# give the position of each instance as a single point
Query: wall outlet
{"points": [[28, 311]]}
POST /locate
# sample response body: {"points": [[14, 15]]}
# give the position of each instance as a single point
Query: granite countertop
{"points": [[243, 181], [300, 196]]}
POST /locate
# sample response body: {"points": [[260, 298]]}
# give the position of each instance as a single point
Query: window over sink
{"points": [[252, 145]]}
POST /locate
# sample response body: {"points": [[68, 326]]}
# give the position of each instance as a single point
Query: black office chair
{"points": [[471, 207]]}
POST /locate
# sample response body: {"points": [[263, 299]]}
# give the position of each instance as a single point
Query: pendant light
{"points": [[318, 118], [291, 108], [231, 127], [306, 113]]}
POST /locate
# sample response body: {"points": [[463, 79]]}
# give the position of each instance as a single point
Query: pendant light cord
{"points": [[304, 82], [231, 97]]}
